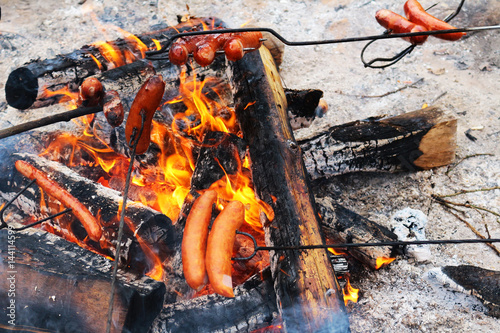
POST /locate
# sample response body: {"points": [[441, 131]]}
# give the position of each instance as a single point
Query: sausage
{"points": [[398, 24], [194, 240], [113, 108], [234, 47], [81, 212], [220, 247], [417, 14], [148, 99], [91, 92]]}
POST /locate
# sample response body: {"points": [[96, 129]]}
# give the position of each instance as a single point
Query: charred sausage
{"points": [[53, 189], [113, 108], [220, 247], [417, 14], [147, 100], [91, 92], [398, 24], [194, 240]]}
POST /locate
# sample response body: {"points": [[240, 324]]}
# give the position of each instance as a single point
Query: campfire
{"points": [[219, 149]]}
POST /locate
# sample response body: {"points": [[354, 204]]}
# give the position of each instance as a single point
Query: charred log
{"points": [[253, 307], [220, 153], [415, 140], [303, 106], [24, 87], [480, 282], [62, 287], [155, 229], [308, 295], [341, 225]]}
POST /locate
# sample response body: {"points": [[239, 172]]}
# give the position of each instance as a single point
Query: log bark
{"points": [[308, 295], [60, 286], [417, 140]]}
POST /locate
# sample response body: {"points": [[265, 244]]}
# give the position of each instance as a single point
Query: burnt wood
{"points": [[308, 294], [342, 225], [480, 282], [417, 140], [253, 307], [62, 287], [156, 229], [23, 88]]}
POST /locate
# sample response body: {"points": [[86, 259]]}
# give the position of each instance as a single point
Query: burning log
{"points": [[63, 287], [155, 230], [341, 225], [308, 295], [26, 85], [417, 140], [253, 307]]}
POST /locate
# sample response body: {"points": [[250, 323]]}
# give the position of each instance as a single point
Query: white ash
{"points": [[409, 225]]}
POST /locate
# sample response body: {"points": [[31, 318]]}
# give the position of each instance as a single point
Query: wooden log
{"points": [[342, 225], [24, 86], [417, 140], [62, 287], [308, 295], [155, 229], [253, 307]]}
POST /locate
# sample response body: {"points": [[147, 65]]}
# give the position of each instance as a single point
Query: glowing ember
{"points": [[383, 261]]}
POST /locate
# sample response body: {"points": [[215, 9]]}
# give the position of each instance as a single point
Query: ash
{"points": [[462, 77]]}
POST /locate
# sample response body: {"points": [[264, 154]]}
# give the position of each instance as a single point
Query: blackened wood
{"points": [[220, 153], [62, 287], [101, 201], [25, 85], [480, 282], [417, 140], [302, 105], [308, 294], [342, 225], [253, 307]]}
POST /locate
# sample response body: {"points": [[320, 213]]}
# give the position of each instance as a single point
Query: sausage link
{"points": [[148, 99], [91, 92], [194, 240], [417, 14], [53, 189], [113, 108], [234, 47], [398, 24], [220, 247]]}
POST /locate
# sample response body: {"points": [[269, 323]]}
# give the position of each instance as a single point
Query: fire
{"points": [[66, 95], [335, 252], [383, 261], [350, 293]]}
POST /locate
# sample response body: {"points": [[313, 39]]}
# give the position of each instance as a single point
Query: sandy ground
{"points": [[462, 77]]}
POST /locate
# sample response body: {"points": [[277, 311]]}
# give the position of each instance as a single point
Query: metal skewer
{"points": [[354, 245]]}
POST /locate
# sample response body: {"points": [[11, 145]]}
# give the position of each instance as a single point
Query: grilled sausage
{"points": [[53, 189], [417, 14], [147, 100], [91, 92], [194, 240], [398, 24], [220, 247], [234, 47], [113, 108]]}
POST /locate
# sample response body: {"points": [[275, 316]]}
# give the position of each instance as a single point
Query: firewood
{"points": [[60, 286], [417, 140], [24, 87], [253, 307], [308, 295]]}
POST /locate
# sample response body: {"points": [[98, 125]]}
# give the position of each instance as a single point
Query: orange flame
{"points": [[67, 96], [383, 261], [334, 251], [350, 293]]}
